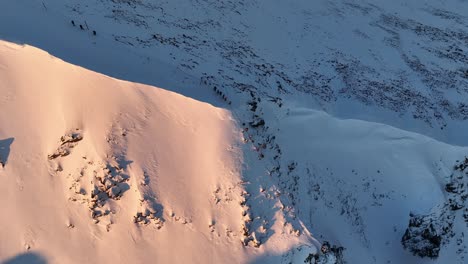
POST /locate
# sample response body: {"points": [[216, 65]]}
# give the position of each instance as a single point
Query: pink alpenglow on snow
{"points": [[106, 171]]}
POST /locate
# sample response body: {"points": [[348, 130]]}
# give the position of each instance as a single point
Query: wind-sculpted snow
{"points": [[99, 165], [388, 82]]}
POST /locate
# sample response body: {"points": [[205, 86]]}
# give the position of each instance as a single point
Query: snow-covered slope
{"points": [[98, 170], [354, 183], [353, 115], [394, 62]]}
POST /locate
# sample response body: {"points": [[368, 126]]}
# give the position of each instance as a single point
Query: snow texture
{"points": [[295, 131]]}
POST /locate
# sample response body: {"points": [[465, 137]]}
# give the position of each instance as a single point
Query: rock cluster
{"points": [[426, 234], [66, 143], [328, 255]]}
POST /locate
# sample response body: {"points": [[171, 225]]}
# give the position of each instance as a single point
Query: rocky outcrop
{"points": [[329, 254], [427, 234], [67, 142]]}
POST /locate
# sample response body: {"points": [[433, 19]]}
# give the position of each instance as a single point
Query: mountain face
{"points": [[101, 170], [316, 132]]}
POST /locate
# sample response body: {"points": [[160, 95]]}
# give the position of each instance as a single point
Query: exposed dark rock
{"points": [[257, 122], [421, 238], [328, 255], [426, 234]]}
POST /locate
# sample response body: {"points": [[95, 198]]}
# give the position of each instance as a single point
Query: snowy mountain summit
{"points": [[283, 132]]}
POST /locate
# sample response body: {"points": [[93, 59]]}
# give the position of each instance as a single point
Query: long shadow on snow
{"points": [[26, 258], [5, 150]]}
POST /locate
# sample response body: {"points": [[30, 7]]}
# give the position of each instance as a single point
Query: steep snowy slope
{"points": [[359, 185], [100, 170], [355, 183], [394, 62], [353, 114], [97, 170]]}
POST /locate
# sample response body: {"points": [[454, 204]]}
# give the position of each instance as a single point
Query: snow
{"points": [[186, 148], [371, 176], [292, 124]]}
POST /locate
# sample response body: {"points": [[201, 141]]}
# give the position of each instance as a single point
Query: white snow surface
{"points": [[365, 112], [175, 152]]}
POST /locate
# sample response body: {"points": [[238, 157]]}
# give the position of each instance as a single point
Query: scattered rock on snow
{"points": [[66, 143], [328, 255], [421, 237], [426, 234]]}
